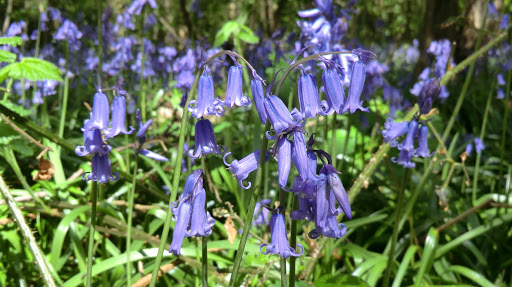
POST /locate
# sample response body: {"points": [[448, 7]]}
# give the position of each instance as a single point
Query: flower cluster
{"points": [[414, 130], [190, 213], [441, 50], [99, 128]]}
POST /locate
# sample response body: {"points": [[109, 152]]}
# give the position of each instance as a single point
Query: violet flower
{"points": [[334, 91], [422, 149], [137, 6], [309, 99], [141, 136], [100, 112], [101, 169], [118, 118], [429, 93], [336, 187], [93, 142], [299, 154], [191, 216], [392, 131], [280, 118], [408, 144], [259, 99], [205, 142], [69, 31], [261, 214], [284, 154], [357, 78], [479, 145], [404, 159], [205, 103], [242, 168], [234, 94], [279, 240]]}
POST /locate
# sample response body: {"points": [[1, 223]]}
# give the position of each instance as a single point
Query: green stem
{"points": [[26, 231], [252, 204], [175, 184], [204, 261], [8, 90], [347, 136], [10, 157], [293, 242], [94, 189], [482, 135], [395, 228], [504, 125], [62, 123], [283, 272], [131, 193]]}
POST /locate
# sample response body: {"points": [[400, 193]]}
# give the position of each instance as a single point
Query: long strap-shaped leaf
{"points": [[41, 262]]}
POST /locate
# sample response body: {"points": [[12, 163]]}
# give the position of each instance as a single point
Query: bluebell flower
{"points": [[55, 14], [205, 142], [93, 142], [201, 222], [118, 118], [284, 154], [428, 94], [479, 145], [17, 29], [259, 99], [242, 168], [137, 6], [280, 118], [68, 31], [309, 99], [299, 154], [408, 144], [205, 104], [504, 22], [334, 91], [422, 149], [305, 210], [261, 214], [183, 213], [101, 169], [142, 128], [404, 159], [279, 240], [357, 78], [501, 84], [190, 213], [100, 114], [234, 94], [336, 187], [331, 229], [469, 149], [392, 131]]}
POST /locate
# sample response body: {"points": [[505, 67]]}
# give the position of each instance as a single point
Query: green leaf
{"points": [[473, 275], [32, 69], [6, 56], [409, 254], [247, 35], [11, 41], [229, 28], [428, 254], [345, 280], [60, 234]]}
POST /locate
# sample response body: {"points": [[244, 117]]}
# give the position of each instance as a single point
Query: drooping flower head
{"points": [[234, 94], [206, 103], [142, 128], [205, 141], [429, 93], [279, 240], [259, 99], [242, 168], [309, 99], [357, 79], [190, 213], [280, 118]]}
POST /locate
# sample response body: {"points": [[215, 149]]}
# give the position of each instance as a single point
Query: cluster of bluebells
{"points": [[321, 193], [100, 127], [190, 213], [414, 130], [441, 50]]}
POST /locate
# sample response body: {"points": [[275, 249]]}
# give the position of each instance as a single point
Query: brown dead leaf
{"points": [[230, 229]]}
